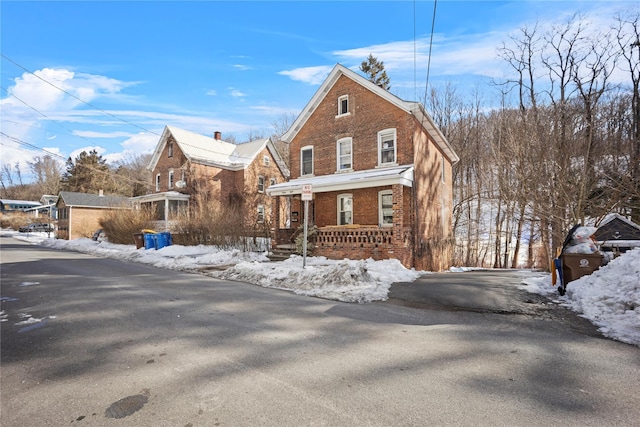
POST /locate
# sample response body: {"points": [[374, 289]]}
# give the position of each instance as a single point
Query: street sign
{"points": [[307, 192]]}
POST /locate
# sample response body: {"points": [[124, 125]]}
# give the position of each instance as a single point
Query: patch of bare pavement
{"points": [[489, 292]]}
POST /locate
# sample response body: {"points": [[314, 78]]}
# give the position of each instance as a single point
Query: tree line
{"points": [[567, 151]]}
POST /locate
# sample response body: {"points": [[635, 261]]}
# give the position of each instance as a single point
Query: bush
{"points": [[215, 226], [120, 225]]}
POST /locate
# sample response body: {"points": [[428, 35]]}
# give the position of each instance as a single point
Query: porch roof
{"points": [[346, 181], [156, 197]]}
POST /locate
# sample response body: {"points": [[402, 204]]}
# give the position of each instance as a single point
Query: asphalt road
{"points": [[123, 344]]}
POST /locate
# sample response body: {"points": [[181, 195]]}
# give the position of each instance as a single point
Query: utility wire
{"points": [[205, 149], [75, 97], [433, 24]]}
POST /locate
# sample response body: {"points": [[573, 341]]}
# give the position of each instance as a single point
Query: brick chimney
{"points": [[217, 135]]}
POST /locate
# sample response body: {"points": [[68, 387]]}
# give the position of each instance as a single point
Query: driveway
{"points": [[485, 291]]}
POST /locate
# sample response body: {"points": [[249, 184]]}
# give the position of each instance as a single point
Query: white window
{"points": [[266, 160], [170, 149], [385, 208], [171, 178], [343, 105], [261, 184], [273, 181], [344, 154], [158, 182], [345, 209], [306, 160], [387, 147], [260, 217]]}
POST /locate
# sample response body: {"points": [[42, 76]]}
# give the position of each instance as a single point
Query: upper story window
{"points": [[171, 178], [158, 182], [343, 105], [170, 149], [306, 160], [385, 208], [266, 160], [345, 209], [261, 184], [344, 154], [387, 150]]}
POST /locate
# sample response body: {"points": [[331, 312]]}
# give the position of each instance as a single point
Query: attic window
{"points": [[343, 105], [266, 161], [170, 149]]}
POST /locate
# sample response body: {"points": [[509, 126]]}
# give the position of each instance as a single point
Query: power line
{"points": [[75, 97], [433, 24]]}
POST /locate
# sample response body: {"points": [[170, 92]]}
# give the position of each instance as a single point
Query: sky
{"points": [[108, 76], [609, 297]]}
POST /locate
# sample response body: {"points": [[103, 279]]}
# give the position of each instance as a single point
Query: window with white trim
{"points": [[343, 105], [345, 209], [170, 149], [344, 154], [261, 184], [306, 160], [158, 182], [387, 147], [260, 214], [266, 160], [385, 208], [171, 178]]}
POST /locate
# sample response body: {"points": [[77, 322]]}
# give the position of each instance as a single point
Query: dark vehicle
{"points": [[35, 227]]}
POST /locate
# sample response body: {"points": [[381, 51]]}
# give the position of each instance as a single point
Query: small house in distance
{"points": [[617, 234], [79, 213]]}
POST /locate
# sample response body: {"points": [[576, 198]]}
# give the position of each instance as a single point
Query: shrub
{"points": [[121, 224]]}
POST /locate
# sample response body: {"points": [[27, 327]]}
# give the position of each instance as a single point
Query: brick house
{"points": [[79, 213], [381, 174], [190, 168]]}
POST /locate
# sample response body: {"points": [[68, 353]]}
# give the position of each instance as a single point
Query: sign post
{"points": [[307, 194]]}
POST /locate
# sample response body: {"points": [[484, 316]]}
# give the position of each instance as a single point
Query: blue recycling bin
{"points": [[163, 239], [150, 240]]}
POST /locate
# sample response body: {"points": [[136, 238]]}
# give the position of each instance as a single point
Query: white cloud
{"points": [[311, 75], [77, 152], [242, 67], [141, 143], [212, 92], [236, 93]]}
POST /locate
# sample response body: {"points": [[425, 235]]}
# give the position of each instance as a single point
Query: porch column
{"points": [[276, 233], [400, 250], [166, 209]]}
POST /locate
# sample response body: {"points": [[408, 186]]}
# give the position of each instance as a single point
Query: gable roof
{"points": [[87, 200], [414, 108], [209, 151]]}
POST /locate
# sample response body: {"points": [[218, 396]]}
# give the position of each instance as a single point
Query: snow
{"points": [[609, 298]]}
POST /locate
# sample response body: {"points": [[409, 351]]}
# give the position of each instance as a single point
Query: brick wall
{"points": [[369, 114]]}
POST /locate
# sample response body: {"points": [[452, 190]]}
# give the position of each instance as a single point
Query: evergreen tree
{"points": [[89, 173], [374, 69]]}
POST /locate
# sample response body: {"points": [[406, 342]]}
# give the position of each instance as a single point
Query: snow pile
{"points": [[346, 280], [609, 297]]}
